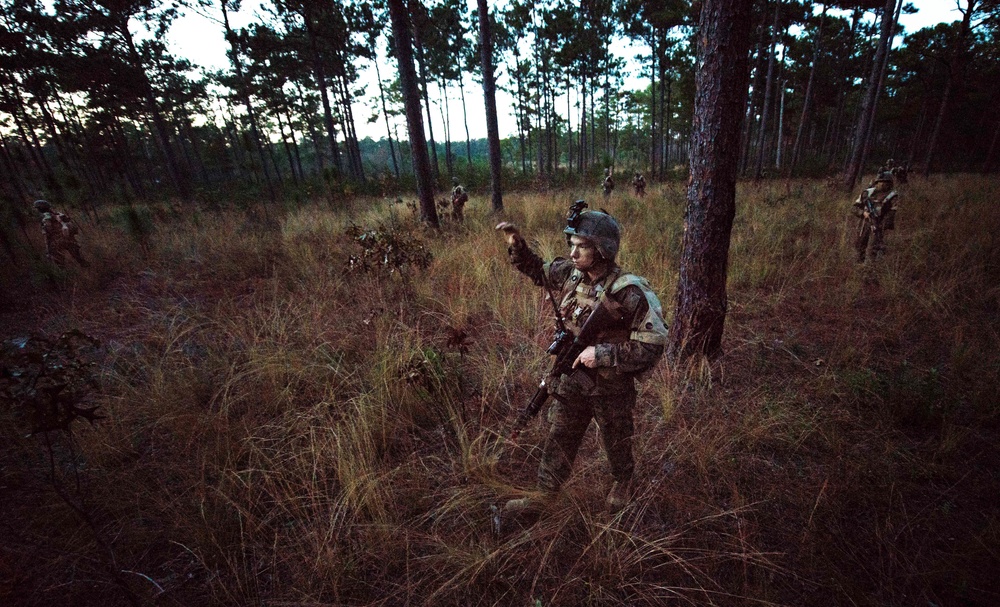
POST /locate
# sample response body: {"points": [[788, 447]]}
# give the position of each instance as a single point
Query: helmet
{"points": [[42, 206], [454, 180], [600, 228], [883, 181], [607, 171]]}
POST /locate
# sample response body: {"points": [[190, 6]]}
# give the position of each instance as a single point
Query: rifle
{"points": [[872, 213], [565, 347]]}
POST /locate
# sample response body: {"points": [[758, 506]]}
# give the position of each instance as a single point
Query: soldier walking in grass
{"points": [[458, 199], [608, 185], [875, 207], [60, 235], [639, 184], [602, 382]]}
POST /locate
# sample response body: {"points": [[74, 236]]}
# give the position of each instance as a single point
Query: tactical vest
{"points": [[580, 299]]}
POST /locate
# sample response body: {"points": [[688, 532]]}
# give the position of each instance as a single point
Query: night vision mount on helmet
{"points": [[599, 227]]}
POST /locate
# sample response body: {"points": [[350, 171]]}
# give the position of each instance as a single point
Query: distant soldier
{"points": [[458, 199], [901, 173], [876, 208], [639, 183], [609, 184], [60, 235]]}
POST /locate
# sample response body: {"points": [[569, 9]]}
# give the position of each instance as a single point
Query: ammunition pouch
{"points": [[576, 384]]}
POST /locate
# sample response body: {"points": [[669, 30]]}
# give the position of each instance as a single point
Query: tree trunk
{"points": [[385, 115], [411, 99], [881, 76], [868, 104], [489, 92], [654, 53], [804, 117], [768, 96], [435, 168], [720, 98], [180, 180], [465, 121], [666, 124], [756, 98], [245, 97], [321, 85], [955, 69]]}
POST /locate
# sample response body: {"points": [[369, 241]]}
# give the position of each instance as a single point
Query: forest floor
{"points": [[283, 427]]}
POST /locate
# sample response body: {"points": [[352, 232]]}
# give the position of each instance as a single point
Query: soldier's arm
{"points": [[537, 269], [634, 355]]}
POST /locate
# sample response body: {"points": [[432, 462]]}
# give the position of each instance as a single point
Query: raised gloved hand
{"points": [[510, 232]]}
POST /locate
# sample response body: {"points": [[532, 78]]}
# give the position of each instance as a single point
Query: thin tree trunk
{"points": [[245, 97], [871, 95], [321, 85], [465, 121], [955, 71], [414, 122], [385, 115], [881, 77], [173, 168], [422, 70], [489, 92], [654, 55], [757, 97], [807, 101], [768, 96]]}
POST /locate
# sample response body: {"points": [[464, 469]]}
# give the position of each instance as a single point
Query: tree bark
{"points": [[806, 102], [489, 92], [720, 99], [385, 115], [414, 122], [867, 116], [955, 69], [768, 96], [245, 98]]}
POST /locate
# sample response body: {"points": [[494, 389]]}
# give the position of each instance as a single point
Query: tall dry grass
{"points": [[282, 431]]}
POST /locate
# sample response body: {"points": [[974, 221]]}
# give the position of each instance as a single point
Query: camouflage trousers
{"points": [[869, 232], [56, 250], [569, 421]]}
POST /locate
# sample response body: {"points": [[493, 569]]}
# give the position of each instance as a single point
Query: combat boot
{"points": [[619, 496]]}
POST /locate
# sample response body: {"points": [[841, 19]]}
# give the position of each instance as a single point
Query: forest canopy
{"points": [[93, 106]]}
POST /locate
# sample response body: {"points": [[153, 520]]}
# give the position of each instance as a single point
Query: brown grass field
{"points": [[280, 430]]}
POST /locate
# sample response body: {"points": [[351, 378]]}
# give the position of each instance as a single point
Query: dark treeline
{"points": [[93, 107]]}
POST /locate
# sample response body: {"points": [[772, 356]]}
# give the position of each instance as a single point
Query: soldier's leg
{"points": [[54, 251], [74, 250], [861, 242], [568, 425], [614, 418], [878, 242]]}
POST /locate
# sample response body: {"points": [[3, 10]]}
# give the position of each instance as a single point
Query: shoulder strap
{"points": [[626, 280]]}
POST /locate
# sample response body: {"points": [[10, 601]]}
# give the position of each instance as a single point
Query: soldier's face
{"points": [[582, 252]]}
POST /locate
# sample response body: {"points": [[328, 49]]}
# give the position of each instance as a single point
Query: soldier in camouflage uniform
{"points": [[876, 209], [639, 183], [458, 199], [60, 235], [608, 184], [606, 392]]}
